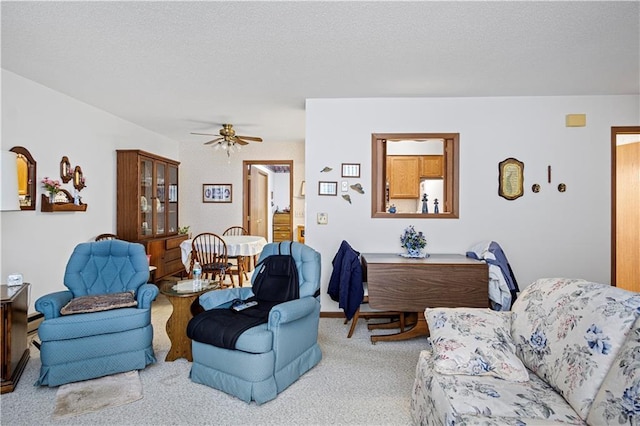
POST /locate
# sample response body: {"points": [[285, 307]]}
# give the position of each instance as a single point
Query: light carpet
{"points": [[356, 383], [87, 396]]}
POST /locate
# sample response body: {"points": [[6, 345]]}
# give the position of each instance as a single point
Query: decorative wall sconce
{"points": [[78, 179], [65, 170]]}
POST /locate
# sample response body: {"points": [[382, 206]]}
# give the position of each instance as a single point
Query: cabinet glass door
{"points": [[160, 199], [146, 197], [172, 200]]}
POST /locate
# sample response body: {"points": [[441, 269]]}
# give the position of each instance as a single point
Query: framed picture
{"points": [[327, 188], [511, 179], [351, 170], [217, 192]]}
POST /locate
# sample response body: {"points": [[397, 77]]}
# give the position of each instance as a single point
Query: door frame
{"points": [[246, 166], [615, 131]]}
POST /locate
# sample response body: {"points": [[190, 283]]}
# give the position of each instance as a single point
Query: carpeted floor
{"points": [[355, 383]]}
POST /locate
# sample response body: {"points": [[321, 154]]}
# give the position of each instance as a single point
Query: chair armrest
{"points": [[291, 311], [147, 293], [50, 304], [217, 298]]}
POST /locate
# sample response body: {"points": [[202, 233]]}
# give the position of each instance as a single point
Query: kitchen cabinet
{"points": [[281, 226], [403, 173], [147, 207], [432, 166]]}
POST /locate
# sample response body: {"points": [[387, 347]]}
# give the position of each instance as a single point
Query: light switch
{"points": [[345, 186], [323, 218]]}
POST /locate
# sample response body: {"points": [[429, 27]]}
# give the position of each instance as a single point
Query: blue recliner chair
{"points": [[268, 357], [88, 345]]}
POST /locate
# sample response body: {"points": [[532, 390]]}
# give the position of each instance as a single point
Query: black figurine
{"points": [[435, 206]]}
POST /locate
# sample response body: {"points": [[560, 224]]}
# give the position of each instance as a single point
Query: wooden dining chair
{"points": [[103, 237], [210, 251], [240, 265]]}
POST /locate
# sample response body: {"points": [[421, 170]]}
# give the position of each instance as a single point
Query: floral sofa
{"points": [[567, 353]]}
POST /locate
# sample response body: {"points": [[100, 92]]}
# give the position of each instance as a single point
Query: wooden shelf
{"points": [[47, 207]]}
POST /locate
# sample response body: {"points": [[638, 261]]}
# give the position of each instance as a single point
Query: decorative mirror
{"points": [[26, 178], [78, 179], [65, 170], [414, 175]]}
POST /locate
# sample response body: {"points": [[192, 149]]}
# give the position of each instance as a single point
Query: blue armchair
{"points": [[269, 357], [88, 345]]}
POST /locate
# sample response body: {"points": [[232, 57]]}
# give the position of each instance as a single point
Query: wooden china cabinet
{"points": [[147, 211]]}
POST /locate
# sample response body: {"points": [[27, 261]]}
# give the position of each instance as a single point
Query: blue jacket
{"points": [[345, 284]]}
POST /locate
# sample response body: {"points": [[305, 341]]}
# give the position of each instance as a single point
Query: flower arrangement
{"points": [[413, 240], [53, 186], [183, 230]]}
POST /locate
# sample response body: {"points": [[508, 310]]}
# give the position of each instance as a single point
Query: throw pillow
{"points": [[101, 302], [474, 342]]}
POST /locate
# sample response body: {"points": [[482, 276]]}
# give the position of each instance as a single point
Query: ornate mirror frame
{"points": [[65, 170], [78, 182], [26, 178]]}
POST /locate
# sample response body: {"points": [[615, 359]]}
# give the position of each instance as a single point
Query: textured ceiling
{"points": [[178, 67]]}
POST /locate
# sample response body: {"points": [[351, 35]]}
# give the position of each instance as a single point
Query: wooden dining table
{"points": [[242, 246]]}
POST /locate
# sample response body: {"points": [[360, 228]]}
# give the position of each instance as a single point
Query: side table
{"points": [[15, 349], [185, 306]]}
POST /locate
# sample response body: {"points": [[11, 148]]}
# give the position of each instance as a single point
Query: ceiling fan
{"points": [[228, 137]]}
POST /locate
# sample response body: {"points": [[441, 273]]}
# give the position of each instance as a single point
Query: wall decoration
{"points": [[347, 197], [65, 170], [511, 179], [326, 169], [358, 188], [217, 193], [535, 188], [78, 179], [351, 170], [327, 188], [562, 187]]}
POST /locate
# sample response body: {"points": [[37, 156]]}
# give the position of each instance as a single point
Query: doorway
{"points": [[625, 207], [266, 190]]}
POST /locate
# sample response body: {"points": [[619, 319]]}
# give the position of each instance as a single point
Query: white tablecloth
{"points": [[238, 245]]}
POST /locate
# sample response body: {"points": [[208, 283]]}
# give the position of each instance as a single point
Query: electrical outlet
{"points": [[323, 218]]}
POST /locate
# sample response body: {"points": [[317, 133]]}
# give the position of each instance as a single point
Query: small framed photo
{"points": [[351, 170], [217, 192], [327, 188]]}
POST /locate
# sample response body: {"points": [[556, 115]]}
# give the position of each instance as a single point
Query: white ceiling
{"points": [[178, 67]]}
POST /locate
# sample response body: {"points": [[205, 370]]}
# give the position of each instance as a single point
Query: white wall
{"points": [[545, 234], [202, 164], [51, 125]]}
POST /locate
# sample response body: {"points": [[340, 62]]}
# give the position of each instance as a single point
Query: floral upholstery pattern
{"points": [[445, 399], [569, 332], [580, 343], [476, 342], [618, 400]]}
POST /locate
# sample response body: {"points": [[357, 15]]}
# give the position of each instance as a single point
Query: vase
{"points": [[414, 252], [52, 197]]}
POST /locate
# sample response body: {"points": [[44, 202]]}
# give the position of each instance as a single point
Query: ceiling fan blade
{"points": [[205, 134], [240, 141], [214, 141], [250, 138]]}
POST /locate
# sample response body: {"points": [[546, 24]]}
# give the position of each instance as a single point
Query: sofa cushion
{"points": [[475, 342], [100, 302], [618, 400], [443, 399], [569, 332]]}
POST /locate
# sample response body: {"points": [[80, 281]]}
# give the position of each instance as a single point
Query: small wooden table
{"points": [[15, 349], [411, 285], [185, 306]]}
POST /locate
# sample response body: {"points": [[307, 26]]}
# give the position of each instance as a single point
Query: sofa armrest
{"points": [[221, 298], [147, 293], [51, 304], [291, 311]]}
